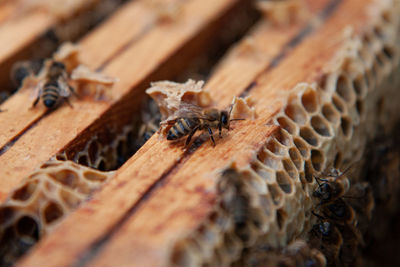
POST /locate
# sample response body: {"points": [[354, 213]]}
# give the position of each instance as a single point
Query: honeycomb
{"points": [[36, 207], [104, 151], [270, 203]]}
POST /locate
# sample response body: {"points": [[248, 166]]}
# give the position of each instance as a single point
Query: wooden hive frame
{"points": [[165, 205]]}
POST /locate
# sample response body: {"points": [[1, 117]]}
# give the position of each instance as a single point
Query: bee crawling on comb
{"points": [[190, 118], [54, 89]]}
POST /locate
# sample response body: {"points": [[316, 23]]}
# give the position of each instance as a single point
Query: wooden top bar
{"points": [[133, 66], [134, 188]]}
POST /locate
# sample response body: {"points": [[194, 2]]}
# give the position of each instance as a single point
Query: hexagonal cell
{"points": [[94, 176], [290, 168], [296, 113], [360, 107], [27, 226], [264, 172], [52, 212], [309, 101], [283, 137], [66, 177], [330, 113], [308, 171], [6, 214], [295, 156], [346, 126], [93, 150], [284, 182], [338, 103], [338, 160], [359, 85], [369, 79], [281, 218], [83, 159], [25, 191], [301, 146], [287, 124], [388, 52], [344, 88], [317, 159], [309, 136], [276, 194], [320, 126], [69, 199], [273, 162], [275, 147]]}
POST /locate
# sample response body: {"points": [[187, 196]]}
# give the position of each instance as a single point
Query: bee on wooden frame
{"points": [[332, 186], [54, 88], [23, 69], [191, 118]]}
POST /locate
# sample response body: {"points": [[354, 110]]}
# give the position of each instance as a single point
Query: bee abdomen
{"points": [[50, 95], [181, 128]]}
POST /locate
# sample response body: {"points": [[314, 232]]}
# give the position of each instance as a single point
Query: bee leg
{"points": [[190, 136], [36, 101], [220, 130], [211, 135], [72, 89], [69, 103]]}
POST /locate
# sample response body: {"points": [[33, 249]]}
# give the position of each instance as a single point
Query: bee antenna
{"points": [[230, 111], [237, 119]]}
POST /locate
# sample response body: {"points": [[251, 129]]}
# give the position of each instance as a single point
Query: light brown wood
{"points": [[133, 20], [187, 195], [142, 61], [135, 178]]}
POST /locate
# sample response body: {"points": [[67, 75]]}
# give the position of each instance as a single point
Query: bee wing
{"points": [[64, 87], [189, 111]]}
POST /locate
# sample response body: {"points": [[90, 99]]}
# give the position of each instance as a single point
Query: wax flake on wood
{"points": [[283, 13], [169, 95]]}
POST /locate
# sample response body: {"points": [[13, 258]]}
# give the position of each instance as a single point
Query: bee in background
{"points": [[333, 186], [236, 201], [191, 118], [54, 88], [326, 237], [23, 69]]}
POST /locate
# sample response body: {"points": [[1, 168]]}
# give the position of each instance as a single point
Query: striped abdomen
{"points": [[50, 94], [182, 127]]}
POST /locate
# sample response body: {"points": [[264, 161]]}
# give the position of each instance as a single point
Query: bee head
{"points": [[58, 65], [325, 228], [323, 191], [225, 119]]}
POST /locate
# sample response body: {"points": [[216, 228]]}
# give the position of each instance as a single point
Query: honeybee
{"points": [[54, 88], [22, 69], [326, 237], [190, 118], [333, 186], [236, 201], [340, 212]]}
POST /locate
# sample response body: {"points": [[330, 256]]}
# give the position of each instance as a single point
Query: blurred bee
{"points": [[151, 118], [326, 237], [340, 212], [190, 118], [23, 69], [236, 201], [54, 88], [333, 186]]}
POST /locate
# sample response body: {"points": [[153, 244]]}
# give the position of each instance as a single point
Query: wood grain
{"points": [[140, 189], [142, 61]]}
